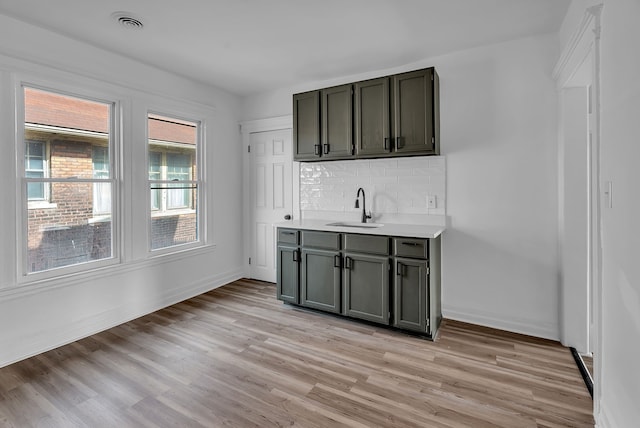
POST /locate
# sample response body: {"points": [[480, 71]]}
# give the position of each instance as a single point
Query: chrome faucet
{"points": [[365, 216]]}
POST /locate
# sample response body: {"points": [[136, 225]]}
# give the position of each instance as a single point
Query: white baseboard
{"points": [[522, 326], [604, 419], [52, 338]]}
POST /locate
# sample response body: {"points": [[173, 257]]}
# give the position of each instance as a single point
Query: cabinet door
{"points": [[366, 287], [372, 131], [337, 126], [320, 282], [410, 299], [413, 112], [288, 274], [306, 126]]}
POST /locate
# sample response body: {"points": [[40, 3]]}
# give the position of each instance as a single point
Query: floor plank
{"points": [[237, 357]]}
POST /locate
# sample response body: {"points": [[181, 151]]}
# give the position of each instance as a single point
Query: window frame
{"points": [[197, 180], [23, 206]]}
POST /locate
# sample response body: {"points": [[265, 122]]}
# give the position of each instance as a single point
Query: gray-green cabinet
{"points": [[416, 284], [366, 277], [337, 129], [366, 287], [320, 282], [387, 280], [306, 126], [288, 266], [371, 117], [288, 270], [395, 115], [410, 294], [414, 112]]}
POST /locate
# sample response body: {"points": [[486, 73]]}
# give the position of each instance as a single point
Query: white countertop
{"points": [[389, 229]]}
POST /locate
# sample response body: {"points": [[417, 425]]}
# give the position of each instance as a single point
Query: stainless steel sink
{"points": [[355, 224]]}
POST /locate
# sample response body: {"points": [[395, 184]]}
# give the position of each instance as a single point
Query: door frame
{"points": [[585, 41], [246, 129]]}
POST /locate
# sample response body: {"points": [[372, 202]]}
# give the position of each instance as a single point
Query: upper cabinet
{"points": [[415, 112], [372, 120], [390, 116], [306, 126], [336, 133]]}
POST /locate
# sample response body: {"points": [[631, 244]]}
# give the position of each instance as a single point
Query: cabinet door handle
{"points": [[317, 149], [326, 149], [296, 256], [386, 144], [399, 142], [337, 261], [347, 262], [399, 269]]}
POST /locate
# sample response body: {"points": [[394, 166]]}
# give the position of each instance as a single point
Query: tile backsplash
{"points": [[396, 189]]}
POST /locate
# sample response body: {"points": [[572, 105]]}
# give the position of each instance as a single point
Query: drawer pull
{"points": [[347, 262], [399, 269], [288, 233], [337, 261], [412, 244]]}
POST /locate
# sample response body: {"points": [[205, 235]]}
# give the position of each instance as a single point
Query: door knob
{"points": [[287, 217]]}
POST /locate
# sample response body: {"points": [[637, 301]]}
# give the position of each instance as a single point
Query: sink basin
{"points": [[355, 224]]}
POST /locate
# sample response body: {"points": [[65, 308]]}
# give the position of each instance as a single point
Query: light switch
{"points": [[431, 201]]}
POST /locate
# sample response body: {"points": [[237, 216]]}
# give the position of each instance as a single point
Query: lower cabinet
{"points": [[320, 280], [366, 287], [288, 274], [387, 280], [288, 266], [410, 298]]}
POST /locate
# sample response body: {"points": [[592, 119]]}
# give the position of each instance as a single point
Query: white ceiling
{"points": [[249, 46]]}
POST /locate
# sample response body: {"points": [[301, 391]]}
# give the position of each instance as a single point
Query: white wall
{"points": [[498, 126], [39, 316], [620, 148]]}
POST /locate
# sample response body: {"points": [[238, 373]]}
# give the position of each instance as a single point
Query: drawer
{"points": [[288, 236], [411, 247], [366, 244], [326, 240]]}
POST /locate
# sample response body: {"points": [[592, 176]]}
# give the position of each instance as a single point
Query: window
{"points": [[173, 181], [173, 167], [102, 190], [35, 166], [68, 180]]}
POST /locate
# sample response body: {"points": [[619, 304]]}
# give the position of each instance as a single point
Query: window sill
{"points": [[39, 205], [100, 219], [172, 213]]}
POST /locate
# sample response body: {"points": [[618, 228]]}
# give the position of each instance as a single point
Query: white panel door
{"points": [[271, 197]]}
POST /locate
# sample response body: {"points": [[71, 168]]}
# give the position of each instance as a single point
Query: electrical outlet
{"points": [[431, 201]]}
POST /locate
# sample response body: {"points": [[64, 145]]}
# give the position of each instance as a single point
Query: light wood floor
{"points": [[236, 357]]}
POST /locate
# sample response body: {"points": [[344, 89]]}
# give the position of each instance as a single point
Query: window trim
{"points": [[198, 180], [24, 276]]}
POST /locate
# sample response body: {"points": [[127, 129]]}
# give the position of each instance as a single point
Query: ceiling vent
{"points": [[127, 20]]}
